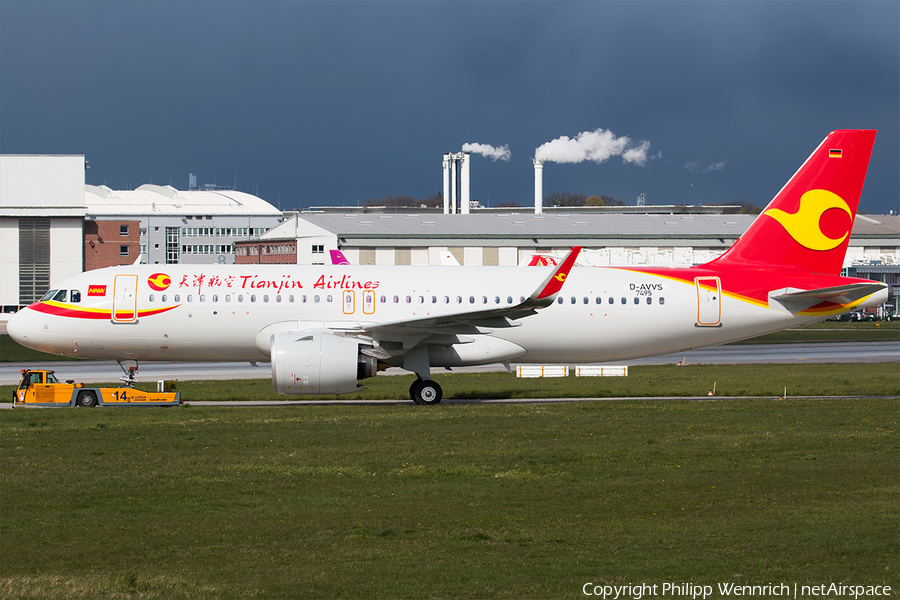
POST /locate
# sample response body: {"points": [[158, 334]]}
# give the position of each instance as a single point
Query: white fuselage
{"points": [[228, 313]]}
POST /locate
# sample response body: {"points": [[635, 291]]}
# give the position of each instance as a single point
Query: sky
{"points": [[336, 102]]}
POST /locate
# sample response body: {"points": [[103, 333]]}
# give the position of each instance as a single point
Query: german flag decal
{"points": [[835, 153], [159, 281], [96, 290]]}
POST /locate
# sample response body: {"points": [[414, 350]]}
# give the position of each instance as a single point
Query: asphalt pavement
{"points": [[838, 352]]}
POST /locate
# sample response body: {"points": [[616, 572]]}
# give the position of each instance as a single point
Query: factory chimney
{"points": [[447, 162], [465, 160], [456, 183], [538, 186]]}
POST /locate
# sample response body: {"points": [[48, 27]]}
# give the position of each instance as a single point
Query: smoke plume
{"points": [[501, 153], [597, 146]]}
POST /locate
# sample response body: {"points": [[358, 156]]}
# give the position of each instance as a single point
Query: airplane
{"points": [[323, 328], [338, 258]]}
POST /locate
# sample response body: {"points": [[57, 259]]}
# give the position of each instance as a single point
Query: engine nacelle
{"points": [[317, 362]]}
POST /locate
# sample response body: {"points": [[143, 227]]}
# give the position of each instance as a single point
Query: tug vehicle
{"points": [[40, 387]]}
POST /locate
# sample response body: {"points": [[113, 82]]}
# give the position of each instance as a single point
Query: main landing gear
{"points": [[425, 392]]}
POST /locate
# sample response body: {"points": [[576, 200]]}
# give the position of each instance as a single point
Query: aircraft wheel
{"points": [[412, 390], [87, 399], [426, 392]]}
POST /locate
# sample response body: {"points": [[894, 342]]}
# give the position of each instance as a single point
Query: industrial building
{"points": [[42, 213], [53, 226], [177, 226]]}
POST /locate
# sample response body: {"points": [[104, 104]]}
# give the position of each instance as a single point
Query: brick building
{"points": [[282, 252], [111, 243]]}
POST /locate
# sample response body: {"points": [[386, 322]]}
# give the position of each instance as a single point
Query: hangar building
{"points": [[53, 226]]}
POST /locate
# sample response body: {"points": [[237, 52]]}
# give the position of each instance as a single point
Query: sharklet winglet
{"points": [[554, 282]]}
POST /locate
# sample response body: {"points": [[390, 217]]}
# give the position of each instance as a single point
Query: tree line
{"points": [[552, 199]]}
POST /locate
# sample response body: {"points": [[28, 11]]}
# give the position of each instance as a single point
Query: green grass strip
{"points": [[453, 501]]}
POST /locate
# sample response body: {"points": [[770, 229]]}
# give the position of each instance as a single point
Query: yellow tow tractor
{"points": [[41, 388]]}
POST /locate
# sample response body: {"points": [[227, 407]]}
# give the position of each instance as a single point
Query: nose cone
{"points": [[20, 326]]}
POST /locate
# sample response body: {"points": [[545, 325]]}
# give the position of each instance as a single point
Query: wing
{"points": [[444, 329]]}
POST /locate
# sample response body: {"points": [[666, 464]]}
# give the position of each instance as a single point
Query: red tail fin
{"points": [[808, 223]]}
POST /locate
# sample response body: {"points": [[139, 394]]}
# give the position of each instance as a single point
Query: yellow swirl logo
{"points": [[560, 277], [804, 226]]}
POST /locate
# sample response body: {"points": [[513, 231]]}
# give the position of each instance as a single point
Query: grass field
{"points": [[464, 501], [856, 379], [833, 331]]}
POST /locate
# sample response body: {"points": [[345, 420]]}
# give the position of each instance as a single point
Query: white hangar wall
{"points": [[42, 214]]}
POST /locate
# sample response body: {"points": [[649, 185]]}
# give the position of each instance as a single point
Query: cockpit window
{"points": [[49, 295], [61, 295], [75, 296]]}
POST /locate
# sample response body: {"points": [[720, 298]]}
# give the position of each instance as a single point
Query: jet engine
{"points": [[317, 362]]}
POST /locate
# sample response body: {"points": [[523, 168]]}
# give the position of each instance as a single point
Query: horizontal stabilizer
{"points": [[844, 297]]}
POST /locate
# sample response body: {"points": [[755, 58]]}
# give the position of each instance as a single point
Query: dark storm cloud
{"points": [[333, 103]]}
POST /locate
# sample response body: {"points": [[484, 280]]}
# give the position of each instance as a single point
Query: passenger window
{"points": [[471, 299], [573, 299], [421, 299], [316, 298], [459, 299], [662, 300], [177, 298], [509, 299], [611, 300], [624, 300], [396, 299], [162, 298], [585, 299], [303, 299], [150, 299], [434, 299], [637, 300], [252, 297], [75, 296], [496, 299], [277, 297], [446, 299], [215, 298], [559, 300], [484, 299], [328, 298], [190, 298], [227, 297], [408, 299], [291, 298], [649, 300], [383, 299]]}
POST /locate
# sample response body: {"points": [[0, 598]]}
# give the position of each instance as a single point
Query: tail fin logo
{"points": [[804, 225]]}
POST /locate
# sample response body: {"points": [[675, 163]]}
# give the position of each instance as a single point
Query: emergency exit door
{"points": [[125, 299], [709, 301]]}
